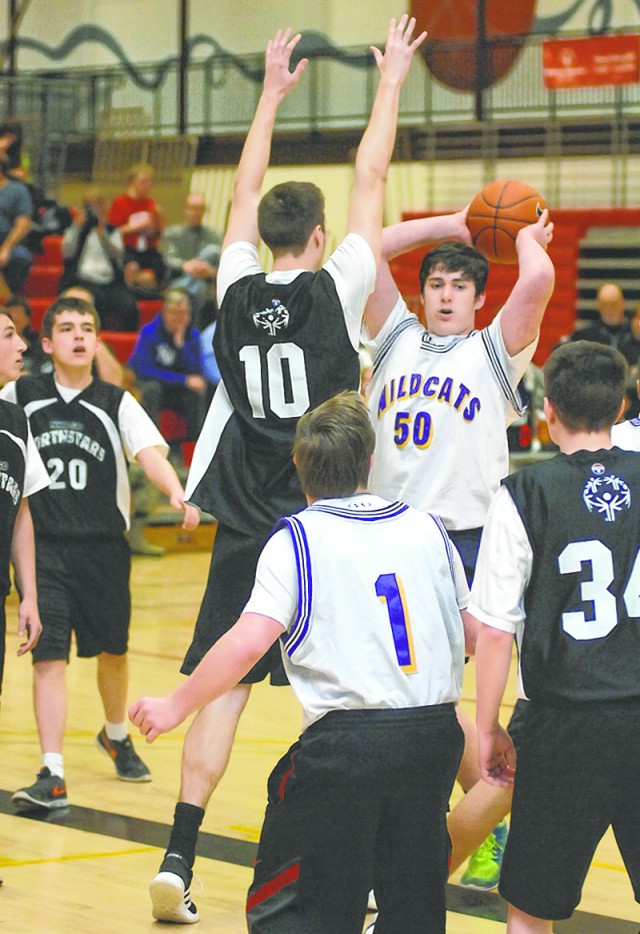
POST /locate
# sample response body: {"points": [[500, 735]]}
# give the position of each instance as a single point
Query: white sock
{"points": [[116, 731], [54, 762]]}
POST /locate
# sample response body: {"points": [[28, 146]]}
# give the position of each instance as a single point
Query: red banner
{"points": [[587, 63]]}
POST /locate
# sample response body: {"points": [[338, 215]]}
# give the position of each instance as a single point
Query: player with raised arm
{"points": [[441, 399], [285, 342], [558, 569]]}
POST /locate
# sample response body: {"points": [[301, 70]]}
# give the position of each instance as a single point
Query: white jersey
{"points": [[626, 435], [441, 407], [368, 593]]}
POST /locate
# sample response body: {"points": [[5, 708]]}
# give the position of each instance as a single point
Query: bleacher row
{"points": [[41, 290]]}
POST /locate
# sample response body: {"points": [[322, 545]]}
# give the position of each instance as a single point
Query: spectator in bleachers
{"points": [[167, 361], [34, 360], [140, 221], [15, 223], [192, 252], [612, 325], [93, 258]]}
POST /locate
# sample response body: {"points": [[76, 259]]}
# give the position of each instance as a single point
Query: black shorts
{"points": [[359, 802], [577, 774], [231, 575], [83, 586]]}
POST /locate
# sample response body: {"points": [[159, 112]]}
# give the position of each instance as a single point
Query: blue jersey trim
{"points": [[515, 398], [371, 515], [297, 633]]}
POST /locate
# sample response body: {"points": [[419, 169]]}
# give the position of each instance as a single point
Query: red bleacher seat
{"points": [[173, 427], [52, 254], [42, 280], [38, 307], [121, 342], [148, 308]]}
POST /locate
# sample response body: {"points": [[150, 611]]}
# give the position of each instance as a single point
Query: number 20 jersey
{"points": [[79, 442], [581, 637]]}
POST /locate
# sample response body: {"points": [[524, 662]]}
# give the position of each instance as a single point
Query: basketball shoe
{"points": [[483, 868], [129, 765], [171, 892], [48, 791]]}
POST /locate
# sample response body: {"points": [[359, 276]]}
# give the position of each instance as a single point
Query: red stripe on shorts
{"points": [[273, 886]]}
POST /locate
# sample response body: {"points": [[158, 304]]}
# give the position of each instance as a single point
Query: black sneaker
{"points": [[49, 791], [129, 765]]}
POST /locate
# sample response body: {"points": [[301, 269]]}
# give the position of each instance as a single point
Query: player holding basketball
{"points": [[558, 568], [441, 399]]}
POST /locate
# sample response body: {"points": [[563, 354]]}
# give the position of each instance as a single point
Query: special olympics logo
{"points": [[272, 319], [606, 495]]}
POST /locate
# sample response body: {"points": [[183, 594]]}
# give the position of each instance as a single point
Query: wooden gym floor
{"points": [[88, 868]]}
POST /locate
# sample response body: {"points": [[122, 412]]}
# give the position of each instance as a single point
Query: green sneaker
{"points": [[483, 868]]}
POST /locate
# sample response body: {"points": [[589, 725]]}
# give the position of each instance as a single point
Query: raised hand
{"points": [[278, 79], [541, 231], [395, 61]]}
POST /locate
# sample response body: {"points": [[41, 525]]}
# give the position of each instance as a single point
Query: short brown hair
{"points": [[288, 214], [67, 304], [140, 168], [585, 382], [333, 447]]}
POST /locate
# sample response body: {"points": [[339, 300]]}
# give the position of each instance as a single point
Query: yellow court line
{"points": [[608, 866], [6, 862]]}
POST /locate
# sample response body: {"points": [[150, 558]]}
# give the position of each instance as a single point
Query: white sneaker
{"points": [[171, 901]]}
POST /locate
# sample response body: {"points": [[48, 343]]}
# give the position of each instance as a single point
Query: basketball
{"points": [[497, 213]]}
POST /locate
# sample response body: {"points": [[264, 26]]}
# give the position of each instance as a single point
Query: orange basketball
{"points": [[496, 215]]}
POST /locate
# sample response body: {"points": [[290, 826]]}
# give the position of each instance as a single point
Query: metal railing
{"points": [[519, 114]]}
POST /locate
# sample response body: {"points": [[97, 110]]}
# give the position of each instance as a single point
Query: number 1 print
{"points": [[390, 590]]}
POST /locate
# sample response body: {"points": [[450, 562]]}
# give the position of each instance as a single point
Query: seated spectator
{"points": [[15, 223], [140, 222], [612, 325], [167, 361], [93, 258], [192, 251]]}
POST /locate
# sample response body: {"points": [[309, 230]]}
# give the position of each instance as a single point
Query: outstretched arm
{"points": [[523, 310], [254, 161], [163, 476], [376, 147], [224, 665], [397, 239]]}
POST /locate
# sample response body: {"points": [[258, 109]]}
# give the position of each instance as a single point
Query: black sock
{"points": [[181, 852]]}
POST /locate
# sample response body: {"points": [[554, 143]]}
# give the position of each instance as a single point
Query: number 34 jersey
{"points": [[84, 444], [559, 564]]}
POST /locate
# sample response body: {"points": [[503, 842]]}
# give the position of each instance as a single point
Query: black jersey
{"points": [[282, 349], [581, 639], [13, 465], [81, 447]]}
